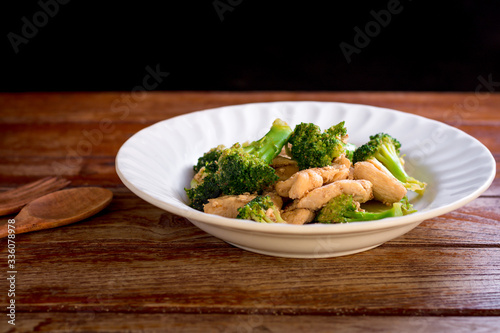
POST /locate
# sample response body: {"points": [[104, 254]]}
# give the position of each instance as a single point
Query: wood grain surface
{"points": [[136, 268]]}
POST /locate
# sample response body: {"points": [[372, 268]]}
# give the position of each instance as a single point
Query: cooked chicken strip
{"points": [[281, 161], [286, 171], [333, 173], [285, 167], [304, 181], [284, 186], [227, 205], [361, 190], [298, 216], [342, 160], [351, 173], [386, 188]]}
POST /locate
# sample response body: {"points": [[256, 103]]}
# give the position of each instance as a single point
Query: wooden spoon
{"points": [[59, 208]]}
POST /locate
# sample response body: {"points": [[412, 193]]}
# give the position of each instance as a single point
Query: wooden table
{"points": [[136, 268]]}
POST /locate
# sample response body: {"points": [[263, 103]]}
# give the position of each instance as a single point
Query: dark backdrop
{"points": [[250, 45]]}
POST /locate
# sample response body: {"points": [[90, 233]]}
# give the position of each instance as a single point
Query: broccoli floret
{"points": [[241, 172], [199, 193], [384, 150], [207, 164], [339, 131], [209, 159], [312, 149], [205, 184], [343, 208], [260, 209], [246, 168], [239, 169]]}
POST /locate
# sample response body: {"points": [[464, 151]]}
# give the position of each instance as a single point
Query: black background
{"points": [[258, 45]]}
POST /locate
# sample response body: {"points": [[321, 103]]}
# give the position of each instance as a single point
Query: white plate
{"points": [[156, 164]]}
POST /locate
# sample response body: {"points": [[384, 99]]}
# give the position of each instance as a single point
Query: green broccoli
{"points": [[384, 151], [209, 159], [241, 172], [199, 193], [343, 208], [312, 149], [261, 209], [240, 168], [207, 164], [406, 206], [270, 145]]}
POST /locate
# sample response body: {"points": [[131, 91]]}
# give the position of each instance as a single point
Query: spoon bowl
{"points": [[60, 208]]}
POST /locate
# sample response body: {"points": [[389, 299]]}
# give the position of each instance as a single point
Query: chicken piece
{"points": [[351, 173], [298, 216], [283, 152], [286, 172], [386, 188], [343, 161], [306, 180], [285, 167], [333, 173], [227, 205], [361, 190], [281, 161], [283, 187]]}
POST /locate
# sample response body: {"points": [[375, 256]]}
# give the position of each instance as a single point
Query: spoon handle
{"points": [[4, 229], [22, 225]]}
